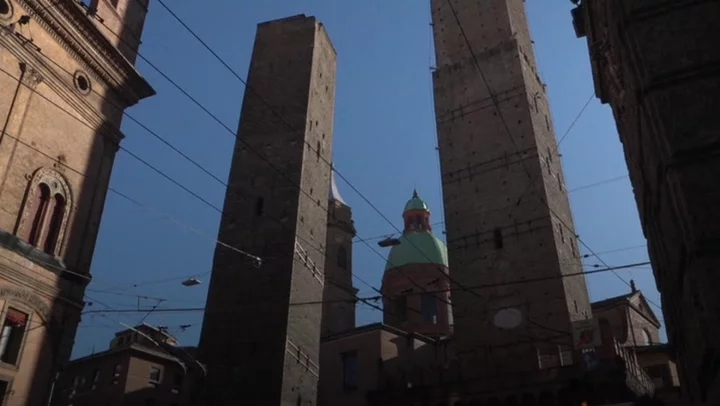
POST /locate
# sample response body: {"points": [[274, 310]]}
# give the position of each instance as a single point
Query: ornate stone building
{"points": [[656, 64], [64, 83], [260, 348]]}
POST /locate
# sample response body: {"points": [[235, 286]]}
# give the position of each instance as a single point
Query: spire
{"points": [[415, 195], [334, 193]]}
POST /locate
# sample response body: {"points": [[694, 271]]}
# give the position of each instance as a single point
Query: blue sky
{"points": [[384, 143]]}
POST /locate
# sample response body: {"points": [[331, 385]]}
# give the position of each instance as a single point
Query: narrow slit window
{"points": [[259, 206], [498, 238]]}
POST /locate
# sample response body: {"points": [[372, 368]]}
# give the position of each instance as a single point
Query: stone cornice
{"points": [[72, 29], [39, 67]]}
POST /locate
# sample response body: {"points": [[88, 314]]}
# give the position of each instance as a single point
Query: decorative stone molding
{"points": [[32, 77], [58, 185], [6, 10], [27, 298], [113, 69]]}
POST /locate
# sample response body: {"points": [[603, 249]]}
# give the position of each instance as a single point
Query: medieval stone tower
{"points": [[64, 84], [507, 211], [260, 344], [338, 309]]}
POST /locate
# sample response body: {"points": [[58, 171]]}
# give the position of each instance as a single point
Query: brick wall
{"points": [[258, 347], [500, 175], [65, 135]]}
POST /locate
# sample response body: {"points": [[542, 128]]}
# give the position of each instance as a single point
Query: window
{"points": [[116, 374], [177, 383], [155, 376], [12, 335], [401, 307], [349, 370], [497, 234], [342, 257], [46, 210], [3, 390], [428, 307], [259, 206], [95, 378], [39, 208]]}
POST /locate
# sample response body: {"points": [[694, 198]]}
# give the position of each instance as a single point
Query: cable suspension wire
{"points": [[202, 107], [363, 299], [185, 156], [287, 124], [507, 128]]}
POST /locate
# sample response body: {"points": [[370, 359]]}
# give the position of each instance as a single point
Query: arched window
{"points": [[342, 258], [38, 208], [47, 207], [56, 212]]}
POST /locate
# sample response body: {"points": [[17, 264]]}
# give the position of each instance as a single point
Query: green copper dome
{"points": [[416, 203], [417, 248]]}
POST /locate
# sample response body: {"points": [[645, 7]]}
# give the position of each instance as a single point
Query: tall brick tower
{"points": [[503, 189], [338, 311], [260, 348]]}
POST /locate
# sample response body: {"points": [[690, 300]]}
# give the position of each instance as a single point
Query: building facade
{"points": [[338, 309], [65, 84], [143, 366], [507, 212], [259, 347], [415, 286], [656, 64]]}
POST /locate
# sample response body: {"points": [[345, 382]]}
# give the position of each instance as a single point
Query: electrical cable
{"points": [[507, 128]]}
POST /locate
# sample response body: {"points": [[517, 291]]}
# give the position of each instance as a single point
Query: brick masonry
{"points": [[52, 130], [657, 65], [506, 207], [338, 311], [258, 346]]}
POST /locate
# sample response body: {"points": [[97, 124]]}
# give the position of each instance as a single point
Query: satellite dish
{"points": [[508, 319]]}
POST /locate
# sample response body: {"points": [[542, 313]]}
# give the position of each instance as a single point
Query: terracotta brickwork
{"points": [[61, 103], [506, 207], [656, 64], [260, 348]]}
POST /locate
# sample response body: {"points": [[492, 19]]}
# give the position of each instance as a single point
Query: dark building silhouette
{"points": [[65, 80], [259, 347], [656, 64], [142, 366]]}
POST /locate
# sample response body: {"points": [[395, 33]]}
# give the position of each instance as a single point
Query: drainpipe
{"points": [[23, 69]]}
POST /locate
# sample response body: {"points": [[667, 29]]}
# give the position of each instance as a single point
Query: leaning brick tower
{"points": [[506, 207], [259, 348]]}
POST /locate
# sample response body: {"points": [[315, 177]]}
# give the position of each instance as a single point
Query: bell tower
{"points": [[339, 293]]}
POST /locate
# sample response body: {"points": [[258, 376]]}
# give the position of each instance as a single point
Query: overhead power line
{"points": [[507, 128], [374, 298]]}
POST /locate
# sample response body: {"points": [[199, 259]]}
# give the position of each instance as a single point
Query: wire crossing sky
{"points": [[384, 144]]}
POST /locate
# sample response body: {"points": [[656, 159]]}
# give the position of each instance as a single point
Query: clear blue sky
{"points": [[384, 143]]}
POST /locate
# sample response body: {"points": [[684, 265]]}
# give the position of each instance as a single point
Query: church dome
{"points": [[416, 203], [417, 248]]}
